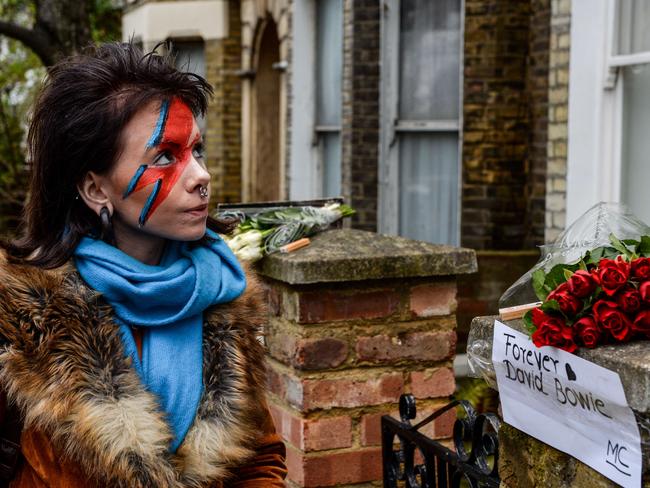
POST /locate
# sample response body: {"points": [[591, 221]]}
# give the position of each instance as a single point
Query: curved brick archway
{"points": [[256, 17]]}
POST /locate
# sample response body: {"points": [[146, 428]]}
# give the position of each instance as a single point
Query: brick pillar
{"points": [[357, 320], [360, 110]]}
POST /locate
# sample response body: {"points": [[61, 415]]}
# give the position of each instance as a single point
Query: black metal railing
{"points": [[413, 460]]}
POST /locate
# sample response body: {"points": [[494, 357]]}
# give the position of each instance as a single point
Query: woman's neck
{"points": [[144, 247]]}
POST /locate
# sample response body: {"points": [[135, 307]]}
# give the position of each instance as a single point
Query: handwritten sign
{"points": [[569, 403]]}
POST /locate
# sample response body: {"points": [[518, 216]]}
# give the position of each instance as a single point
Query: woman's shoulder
{"points": [[28, 290]]}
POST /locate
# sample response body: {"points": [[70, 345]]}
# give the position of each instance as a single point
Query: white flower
{"points": [[249, 253], [248, 238]]}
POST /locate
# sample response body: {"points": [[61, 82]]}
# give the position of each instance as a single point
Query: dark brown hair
{"points": [[76, 127]]}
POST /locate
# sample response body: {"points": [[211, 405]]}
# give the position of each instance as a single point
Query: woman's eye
{"points": [[199, 151], [164, 158]]}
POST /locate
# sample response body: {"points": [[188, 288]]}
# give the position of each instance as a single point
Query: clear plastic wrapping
{"points": [[589, 231]]}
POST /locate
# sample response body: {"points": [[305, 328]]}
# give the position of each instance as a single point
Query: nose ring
{"points": [[203, 191]]}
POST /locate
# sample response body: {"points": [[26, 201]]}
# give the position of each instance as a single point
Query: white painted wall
{"points": [[157, 21]]}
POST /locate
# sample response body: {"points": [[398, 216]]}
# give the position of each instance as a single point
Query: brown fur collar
{"points": [[62, 363]]}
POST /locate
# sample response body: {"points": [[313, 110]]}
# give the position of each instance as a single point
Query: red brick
{"points": [[287, 425], [433, 300], [307, 353], [416, 346], [443, 426], [311, 394], [312, 434], [371, 427], [334, 468], [325, 306], [327, 433], [275, 301], [349, 393], [433, 383]]}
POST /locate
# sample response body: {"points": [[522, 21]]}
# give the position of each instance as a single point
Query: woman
{"points": [[128, 328]]}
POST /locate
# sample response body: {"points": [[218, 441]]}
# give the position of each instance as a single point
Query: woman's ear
{"points": [[92, 193]]}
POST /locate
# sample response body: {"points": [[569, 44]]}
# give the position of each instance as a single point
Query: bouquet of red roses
{"points": [[603, 298]]}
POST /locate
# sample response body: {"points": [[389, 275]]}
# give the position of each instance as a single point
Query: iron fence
{"points": [[413, 460]]}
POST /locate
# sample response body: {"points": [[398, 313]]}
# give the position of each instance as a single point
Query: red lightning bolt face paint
{"points": [[171, 135]]}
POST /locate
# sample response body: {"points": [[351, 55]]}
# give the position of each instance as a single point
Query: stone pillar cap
{"points": [[354, 255]]}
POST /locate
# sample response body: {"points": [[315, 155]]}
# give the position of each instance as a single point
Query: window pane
{"points": [[329, 55], [633, 20], [428, 205], [189, 57], [636, 143], [331, 154], [429, 59]]}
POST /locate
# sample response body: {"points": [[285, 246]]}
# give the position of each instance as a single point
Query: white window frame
{"points": [[306, 176], [392, 125], [594, 166]]}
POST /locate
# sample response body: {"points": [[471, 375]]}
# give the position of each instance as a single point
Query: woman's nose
{"points": [[199, 175]]}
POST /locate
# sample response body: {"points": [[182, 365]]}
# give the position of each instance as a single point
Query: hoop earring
{"points": [[107, 226]]}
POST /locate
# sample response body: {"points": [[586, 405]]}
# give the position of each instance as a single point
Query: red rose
{"points": [[644, 291], [552, 331], [569, 304], [587, 330], [642, 323], [613, 274], [641, 268], [629, 300], [611, 318], [581, 283]]}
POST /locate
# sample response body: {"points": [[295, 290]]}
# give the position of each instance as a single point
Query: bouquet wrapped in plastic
{"points": [[591, 286], [270, 230]]}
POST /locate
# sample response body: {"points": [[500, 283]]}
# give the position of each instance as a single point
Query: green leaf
{"points": [[528, 322], [551, 306], [556, 276], [605, 252], [619, 246], [583, 264], [643, 249], [567, 274], [538, 284], [630, 242]]}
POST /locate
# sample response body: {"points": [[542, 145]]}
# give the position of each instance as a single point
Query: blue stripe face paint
{"points": [[134, 180], [147, 206], [156, 137]]}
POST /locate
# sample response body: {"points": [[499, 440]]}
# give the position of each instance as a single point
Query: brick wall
{"points": [[343, 347], [558, 117], [223, 124], [360, 111], [504, 130], [341, 357]]}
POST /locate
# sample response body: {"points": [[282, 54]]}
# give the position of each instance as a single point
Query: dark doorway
{"points": [[265, 170]]}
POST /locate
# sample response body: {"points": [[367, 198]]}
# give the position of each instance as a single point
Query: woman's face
{"points": [[159, 186]]}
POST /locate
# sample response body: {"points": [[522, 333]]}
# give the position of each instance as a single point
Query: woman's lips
{"points": [[198, 211]]}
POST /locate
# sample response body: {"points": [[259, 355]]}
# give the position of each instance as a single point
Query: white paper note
{"points": [[569, 403]]}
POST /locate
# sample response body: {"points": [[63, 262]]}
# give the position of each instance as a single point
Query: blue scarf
{"points": [[167, 301]]}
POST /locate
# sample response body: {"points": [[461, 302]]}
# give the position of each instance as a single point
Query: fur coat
{"points": [[89, 421]]}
